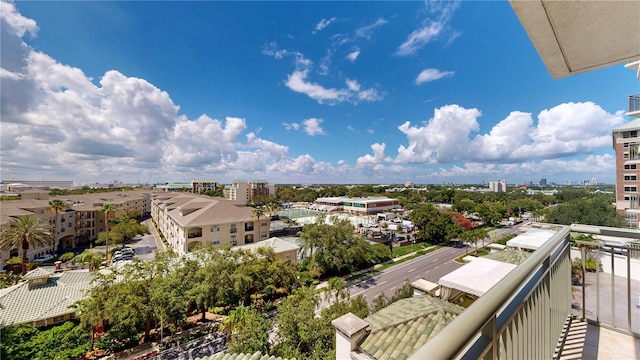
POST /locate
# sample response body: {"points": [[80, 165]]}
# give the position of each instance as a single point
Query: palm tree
{"points": [[257, 212], [271, 208], [56, 206], [107, 209], [93, 259], [25, 232]]}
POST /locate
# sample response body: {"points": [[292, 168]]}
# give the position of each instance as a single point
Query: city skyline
{"points": [[357, 93]]}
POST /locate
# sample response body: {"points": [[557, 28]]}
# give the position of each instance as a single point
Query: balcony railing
{"points": [[194, 235], [609, 295], [523, 316], [634, 103]]}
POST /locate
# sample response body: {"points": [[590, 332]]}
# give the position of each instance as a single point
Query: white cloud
{"points": [[352, 56], [443, 139], [376, 158], [312, 127], [432, 27], [427, 75], [19, 24], [565, 130], [291, 126], [323, 24], [274, 150], [297, 81], [366, 31]]}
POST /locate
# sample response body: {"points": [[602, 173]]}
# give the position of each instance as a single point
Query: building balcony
{"points": [[540, 311], [634, 105], [194, 235]]}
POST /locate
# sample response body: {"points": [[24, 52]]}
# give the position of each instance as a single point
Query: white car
{"points": [[44, 258]]}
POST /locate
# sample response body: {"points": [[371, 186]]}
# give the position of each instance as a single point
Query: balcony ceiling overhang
{"points": [[577, 36]]}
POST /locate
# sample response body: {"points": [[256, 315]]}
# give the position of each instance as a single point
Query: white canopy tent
{"points": [[531, 239], [475, 278]]}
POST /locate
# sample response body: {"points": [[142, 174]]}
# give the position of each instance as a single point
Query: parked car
{"points": [[44, 258], [127, 250]]}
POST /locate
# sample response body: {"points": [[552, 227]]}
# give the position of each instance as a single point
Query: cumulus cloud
{"points": [[312, 127], [432, 27], [427, 75], [59, 123], [376, 158], [451, 136]]}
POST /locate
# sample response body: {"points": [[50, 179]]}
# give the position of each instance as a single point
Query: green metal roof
{"points": [[22, 303], [515, 256], [401, 328]]}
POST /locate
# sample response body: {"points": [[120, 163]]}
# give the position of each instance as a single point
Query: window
{"points": [[630, 188], [630, 134], [263, 235], [630, 177], [215, 228], [626, 155], [215, 241], [264, 223], [630, 167], [626, 198], [233, 229], [234, 241]]}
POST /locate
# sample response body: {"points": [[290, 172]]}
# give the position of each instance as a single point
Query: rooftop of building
{"points": [[24, 303], [401, 328], [631, 125]]}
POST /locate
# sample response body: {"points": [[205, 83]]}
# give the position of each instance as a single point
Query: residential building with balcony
{"points": [[199, 186], [243, 190], [189, 220], [498, 186], [625, 144], [78, 224]]}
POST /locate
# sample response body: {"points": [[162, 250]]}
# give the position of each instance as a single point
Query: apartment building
{"points": [[78, 224], [498, 186], [626, 144], [199, 186], [243, 190], [189, 220]]}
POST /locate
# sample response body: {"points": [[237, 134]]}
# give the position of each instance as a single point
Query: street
{"points": [[431, 267]]}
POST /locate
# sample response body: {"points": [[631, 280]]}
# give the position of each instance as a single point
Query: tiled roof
{"points": [[515, 256], [255, 356], [401, 328], [24, 304], [209, 211], [37, 273]]}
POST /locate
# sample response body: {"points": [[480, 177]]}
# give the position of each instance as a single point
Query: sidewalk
{"points": [[154, 233]]}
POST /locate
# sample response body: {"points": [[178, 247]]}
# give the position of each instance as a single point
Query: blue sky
{"points": [[295, 92]]}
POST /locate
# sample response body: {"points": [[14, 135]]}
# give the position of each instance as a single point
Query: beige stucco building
{"points": [[79, 223], [189, 220]]}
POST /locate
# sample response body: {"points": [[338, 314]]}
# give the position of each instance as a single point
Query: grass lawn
{"points": [[404, 250]]}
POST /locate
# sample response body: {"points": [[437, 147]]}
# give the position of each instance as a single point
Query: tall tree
{"points": [[107, 209], [257, 212], [24, 232], [56, 206]]}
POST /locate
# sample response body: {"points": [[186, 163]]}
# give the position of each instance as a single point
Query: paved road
{"points": [[431, 267]]}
